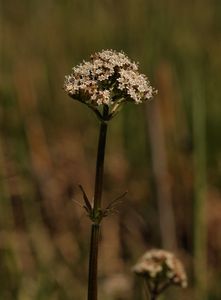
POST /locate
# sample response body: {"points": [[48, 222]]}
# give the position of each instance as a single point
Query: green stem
{"points": [[95, 230], [200, 235]]}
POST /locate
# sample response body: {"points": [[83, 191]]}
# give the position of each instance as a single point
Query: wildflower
{"points": [[109, 79], [160, 269]]}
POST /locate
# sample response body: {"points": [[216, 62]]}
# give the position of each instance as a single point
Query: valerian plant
{"points": [[105, 84]]}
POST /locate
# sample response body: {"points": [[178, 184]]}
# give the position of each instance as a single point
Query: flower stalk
{"points": [[100, 161], [97, 211]]}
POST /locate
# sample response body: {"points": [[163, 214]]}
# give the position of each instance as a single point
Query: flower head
{"points": [[161, 268], [109, 79]]}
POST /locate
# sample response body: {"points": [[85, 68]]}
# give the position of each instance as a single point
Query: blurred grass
{"points": [[47, 142], [200, 174]]}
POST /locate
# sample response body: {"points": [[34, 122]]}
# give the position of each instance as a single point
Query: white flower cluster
{"points": [[163, 266], [109, 77]]}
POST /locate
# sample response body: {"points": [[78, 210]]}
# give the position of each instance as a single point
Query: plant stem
{"points": [[92, 275], [95, 229], [100, 166], [151, 293]]}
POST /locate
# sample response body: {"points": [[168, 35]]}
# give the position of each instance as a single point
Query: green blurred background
{"points": [[166, 153]]}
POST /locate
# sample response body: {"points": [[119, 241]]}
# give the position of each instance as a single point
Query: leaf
{"points": [[86, 200], [116, 201]]}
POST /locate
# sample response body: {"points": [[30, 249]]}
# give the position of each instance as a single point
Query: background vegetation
{"points": [[165, 153]]}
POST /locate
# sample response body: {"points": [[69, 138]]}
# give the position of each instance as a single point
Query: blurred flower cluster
{"points": [[160, 269]]}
